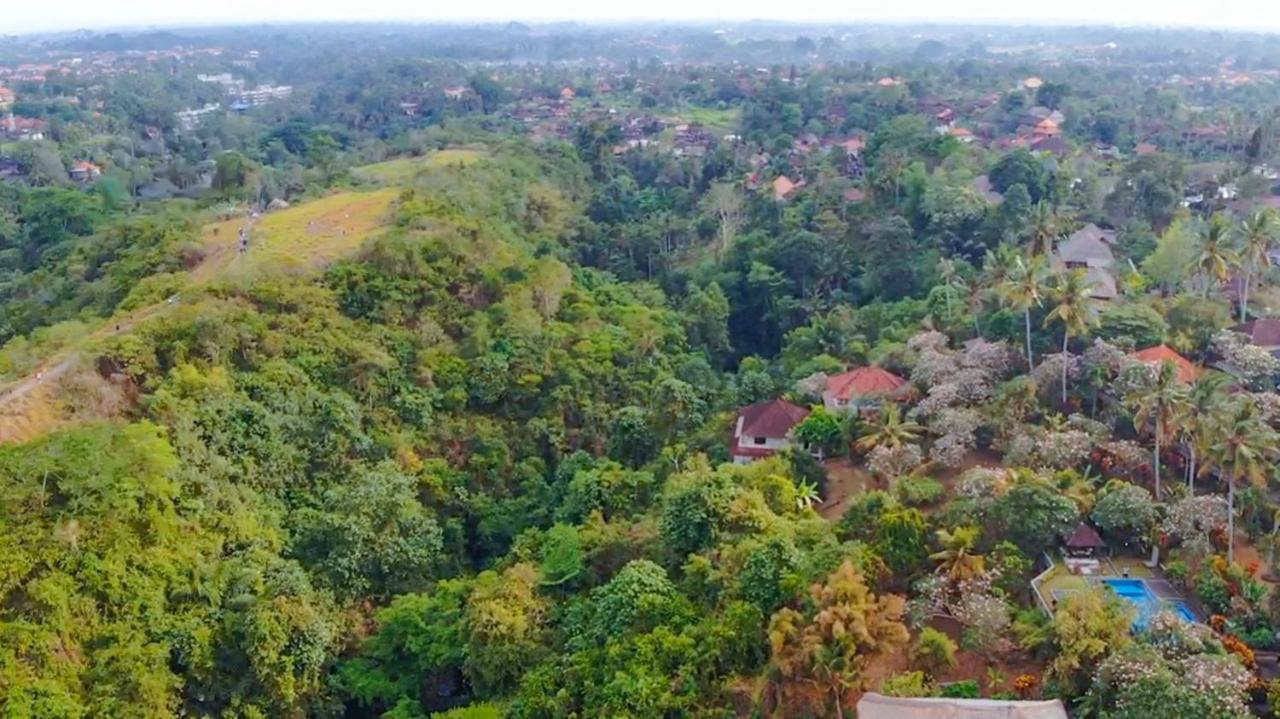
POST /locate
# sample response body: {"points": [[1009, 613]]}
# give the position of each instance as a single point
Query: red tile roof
{"points": [[1187, 372], [865, 381], [771, 419], [783, 186]]}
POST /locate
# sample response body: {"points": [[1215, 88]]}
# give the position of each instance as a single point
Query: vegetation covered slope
{"points": [[299, 448]]}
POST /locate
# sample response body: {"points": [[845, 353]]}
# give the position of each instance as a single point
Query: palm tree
{"points": [[1203, 400], [1075, 308], [890, 431], [1161, 403], [1257, 236], [1044, 227], [1023, 289], [999, 264], [956, 559], [950, 279], [1216, 257], [807, 495], [975, 297], [1239, 446]]}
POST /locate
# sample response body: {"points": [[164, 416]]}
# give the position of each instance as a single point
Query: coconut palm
{"points": [[975, 295], [807, 495], [999, 264], [1215, 257], [1023, 289], [891, 430], [1239, 447], [1205, 396], [950, 280], [1044, 227], [1075, 308], [1160, 403], [956, 559], [1257, 238]]}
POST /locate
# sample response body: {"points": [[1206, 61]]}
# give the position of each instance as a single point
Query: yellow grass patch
{"points": [[401, 171], [298, 239], [29, 417], [294, 240]]}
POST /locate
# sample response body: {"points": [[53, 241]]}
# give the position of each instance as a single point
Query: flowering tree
{"points": [[1253, 365], [1141, 681], [1040, 448], [956, 428], [1122, 457], [973, 602], [888, 461], [1194, 519]]}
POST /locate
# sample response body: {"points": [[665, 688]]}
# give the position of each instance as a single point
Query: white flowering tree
{"points": [[1193, 519], [888, 461], [1253, 365], [956, 429]]}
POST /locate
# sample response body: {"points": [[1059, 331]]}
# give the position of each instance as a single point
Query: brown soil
{"points": [[974, 458], [969, 665], [844, 480]]}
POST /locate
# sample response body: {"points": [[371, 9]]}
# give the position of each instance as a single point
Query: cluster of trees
{"points": [[478, 469]]}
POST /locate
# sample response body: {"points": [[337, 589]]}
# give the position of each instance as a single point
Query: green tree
{"points": [[1258, 238], [1032, 515], [1215, 257], [1239, 446], [821, 430], [830, 647], [1125, 510], [890, 429], [1074, 308], [956, 558], [1023, 290], [1087, 627], [934, 652], [1158, 402], [706, 316]]}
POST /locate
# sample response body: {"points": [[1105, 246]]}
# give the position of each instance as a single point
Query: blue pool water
{"points": [[1137, 593]]}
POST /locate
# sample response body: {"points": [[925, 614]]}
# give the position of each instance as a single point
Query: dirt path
{"points": [[59, 364]]}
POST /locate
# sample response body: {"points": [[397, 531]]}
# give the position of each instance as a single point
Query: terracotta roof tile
{"points": [[865, 381], [1187, 372]]}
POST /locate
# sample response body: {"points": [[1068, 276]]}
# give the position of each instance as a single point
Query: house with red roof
{"points": [[84, 171], [764, 428], [1046, 128], [1187, 372], [863, 388], [783, 187]]}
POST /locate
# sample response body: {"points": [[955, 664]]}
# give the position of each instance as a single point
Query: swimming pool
{"points": [[1137, 593]]}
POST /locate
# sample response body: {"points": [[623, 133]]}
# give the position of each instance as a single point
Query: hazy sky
{"points": [[18, 16]]}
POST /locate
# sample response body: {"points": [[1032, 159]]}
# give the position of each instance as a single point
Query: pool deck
{"points": [[1060, 583]]}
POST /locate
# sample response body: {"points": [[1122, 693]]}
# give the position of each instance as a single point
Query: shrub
{"points": [[1213, 591], [907, 684], [967, 689], [1261, 638], [918, 491], [1176, 572], [934, 651]]}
